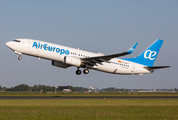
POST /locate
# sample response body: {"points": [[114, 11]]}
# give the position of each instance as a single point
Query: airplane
{"points": [[64, 57]]}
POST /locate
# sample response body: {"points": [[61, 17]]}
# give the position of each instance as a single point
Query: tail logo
{"points": [[150, 54]]}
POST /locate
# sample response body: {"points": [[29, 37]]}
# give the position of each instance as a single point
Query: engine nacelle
{"points": [[72, 61], [59, 64]]}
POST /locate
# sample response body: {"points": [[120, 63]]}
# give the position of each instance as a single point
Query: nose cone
{"points": [[9, 44]]}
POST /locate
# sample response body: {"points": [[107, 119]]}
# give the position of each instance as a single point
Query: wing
{"points": [[99, 59]]}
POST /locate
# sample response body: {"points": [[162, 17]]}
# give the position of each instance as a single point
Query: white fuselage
{"points": [[56, 52]]}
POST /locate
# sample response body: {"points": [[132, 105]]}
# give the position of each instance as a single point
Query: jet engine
{"points": [[72, 61], [59, 64]]}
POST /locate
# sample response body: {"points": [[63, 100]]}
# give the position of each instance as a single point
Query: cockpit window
{"points": [[16, 40]]}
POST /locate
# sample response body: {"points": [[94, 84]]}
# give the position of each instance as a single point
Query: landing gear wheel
{"points": [[78, 72], [85, 71], [20, 58]]}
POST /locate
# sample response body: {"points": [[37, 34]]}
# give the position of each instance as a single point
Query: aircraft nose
{"points": [[8, 44]]}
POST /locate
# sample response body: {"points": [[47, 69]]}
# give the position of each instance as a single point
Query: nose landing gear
{"points": [[20, 57]]}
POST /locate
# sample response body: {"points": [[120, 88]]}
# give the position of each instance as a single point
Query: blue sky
{"points": [[98, 26]]}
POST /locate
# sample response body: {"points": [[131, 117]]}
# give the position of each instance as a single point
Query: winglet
{"points": [[132, 48]]}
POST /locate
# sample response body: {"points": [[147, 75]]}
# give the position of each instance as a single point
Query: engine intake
{"points": [[72, 61]]}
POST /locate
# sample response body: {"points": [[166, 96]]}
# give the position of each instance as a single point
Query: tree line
{"points": [[24, 87]]}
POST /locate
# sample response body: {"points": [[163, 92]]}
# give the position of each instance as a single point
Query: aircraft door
{"points": [[133, 68], [28, 43]]}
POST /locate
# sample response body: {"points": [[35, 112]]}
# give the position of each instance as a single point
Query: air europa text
{"points": [[50, 48]]}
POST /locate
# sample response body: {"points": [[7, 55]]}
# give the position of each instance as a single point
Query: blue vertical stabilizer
{"points": [[148, 57]]}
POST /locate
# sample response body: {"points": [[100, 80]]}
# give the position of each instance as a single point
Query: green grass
{"points": [[102, 94], [89, 109]]}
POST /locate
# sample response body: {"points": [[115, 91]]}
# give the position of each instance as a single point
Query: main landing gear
{"points": [[78, 72], [85, 71]]}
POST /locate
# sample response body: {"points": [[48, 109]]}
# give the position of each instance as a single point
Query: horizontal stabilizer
{"points": [[156, 67]]}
